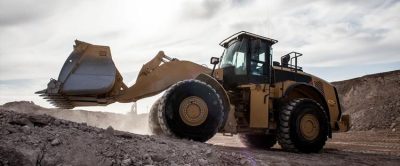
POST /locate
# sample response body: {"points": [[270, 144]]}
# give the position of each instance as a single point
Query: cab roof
{"points": [[244, 33]]}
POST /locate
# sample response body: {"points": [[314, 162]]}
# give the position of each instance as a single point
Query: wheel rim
{"points": [[309, 127], [193, 111]]}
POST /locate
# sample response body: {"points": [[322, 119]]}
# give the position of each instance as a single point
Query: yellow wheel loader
{"points": [[243, 93]]}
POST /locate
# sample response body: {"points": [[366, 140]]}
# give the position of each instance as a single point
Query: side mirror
{"points": [[214, 60]]}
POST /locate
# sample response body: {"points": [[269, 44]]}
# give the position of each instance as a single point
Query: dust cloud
{"points": [[130, 122]]}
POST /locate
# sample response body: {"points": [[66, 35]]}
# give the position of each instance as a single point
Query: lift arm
{"points": [[158, 74]]}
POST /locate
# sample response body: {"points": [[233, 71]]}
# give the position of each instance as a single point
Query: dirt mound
{"points": [[373, 101], [135, 123], [29, 139]]}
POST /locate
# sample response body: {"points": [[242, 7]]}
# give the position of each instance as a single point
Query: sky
{"points": [[339, 39]]}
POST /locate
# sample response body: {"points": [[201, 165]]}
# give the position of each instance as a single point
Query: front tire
{"points": [[258, 141], [303, 126], [191, 109], [154, 125]]}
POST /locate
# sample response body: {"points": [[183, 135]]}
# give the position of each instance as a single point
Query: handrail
{"points": [[290, 65]]}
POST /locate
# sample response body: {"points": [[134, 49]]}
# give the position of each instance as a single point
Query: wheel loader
{"points": [[244, 93]]}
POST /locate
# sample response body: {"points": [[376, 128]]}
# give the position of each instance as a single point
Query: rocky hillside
{"points": [[373, 101]]}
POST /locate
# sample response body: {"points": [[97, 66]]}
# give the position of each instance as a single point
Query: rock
{"points": [[109, 131], [243, 161], [394, 129], [40, 120], [158, 158], [218, 155], [195, 146], [109, 153], [75, 125], [208, 152], [57, 122], [170, 151], [126, 162], [55, 142], [122, 134], [21, 122], [392, 125], [147, 159], [172, 163], [12, 130], [98, 130], [398, 119], [202, 162], [26, 129], [4, 132]]}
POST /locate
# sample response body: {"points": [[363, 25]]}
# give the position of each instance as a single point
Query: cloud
{"points": [[14, 13], [41, 34], [201, 9], [359, 34]]}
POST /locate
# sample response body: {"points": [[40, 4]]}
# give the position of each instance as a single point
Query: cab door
{"points": [[259, 79], [259, 62]]}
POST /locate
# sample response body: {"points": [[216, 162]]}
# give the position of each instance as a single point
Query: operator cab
{"points": [[246, 59]]}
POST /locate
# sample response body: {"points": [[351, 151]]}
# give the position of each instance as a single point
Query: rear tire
{"points": [[303, 126], [154, 125], [190, 109], [259, 141]]}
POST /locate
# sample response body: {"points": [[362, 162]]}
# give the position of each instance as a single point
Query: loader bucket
{"points": [[89, 78], [89, 72]]}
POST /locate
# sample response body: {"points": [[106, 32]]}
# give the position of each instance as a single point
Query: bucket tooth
{"points": [[57, 100], [54, 98], [41, 91]]}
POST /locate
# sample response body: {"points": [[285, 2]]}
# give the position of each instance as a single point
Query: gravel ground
{"points": [[27, 139], [351, 148], [34, 139]]}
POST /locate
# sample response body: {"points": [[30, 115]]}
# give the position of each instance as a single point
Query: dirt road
{"points": [[352, 148]]}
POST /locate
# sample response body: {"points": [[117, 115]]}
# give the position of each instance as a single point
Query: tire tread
{"points": [[284, 138], [161, 113]]}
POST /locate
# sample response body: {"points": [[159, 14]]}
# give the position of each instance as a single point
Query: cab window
{"points": [[258, 57], [235, 55]]}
